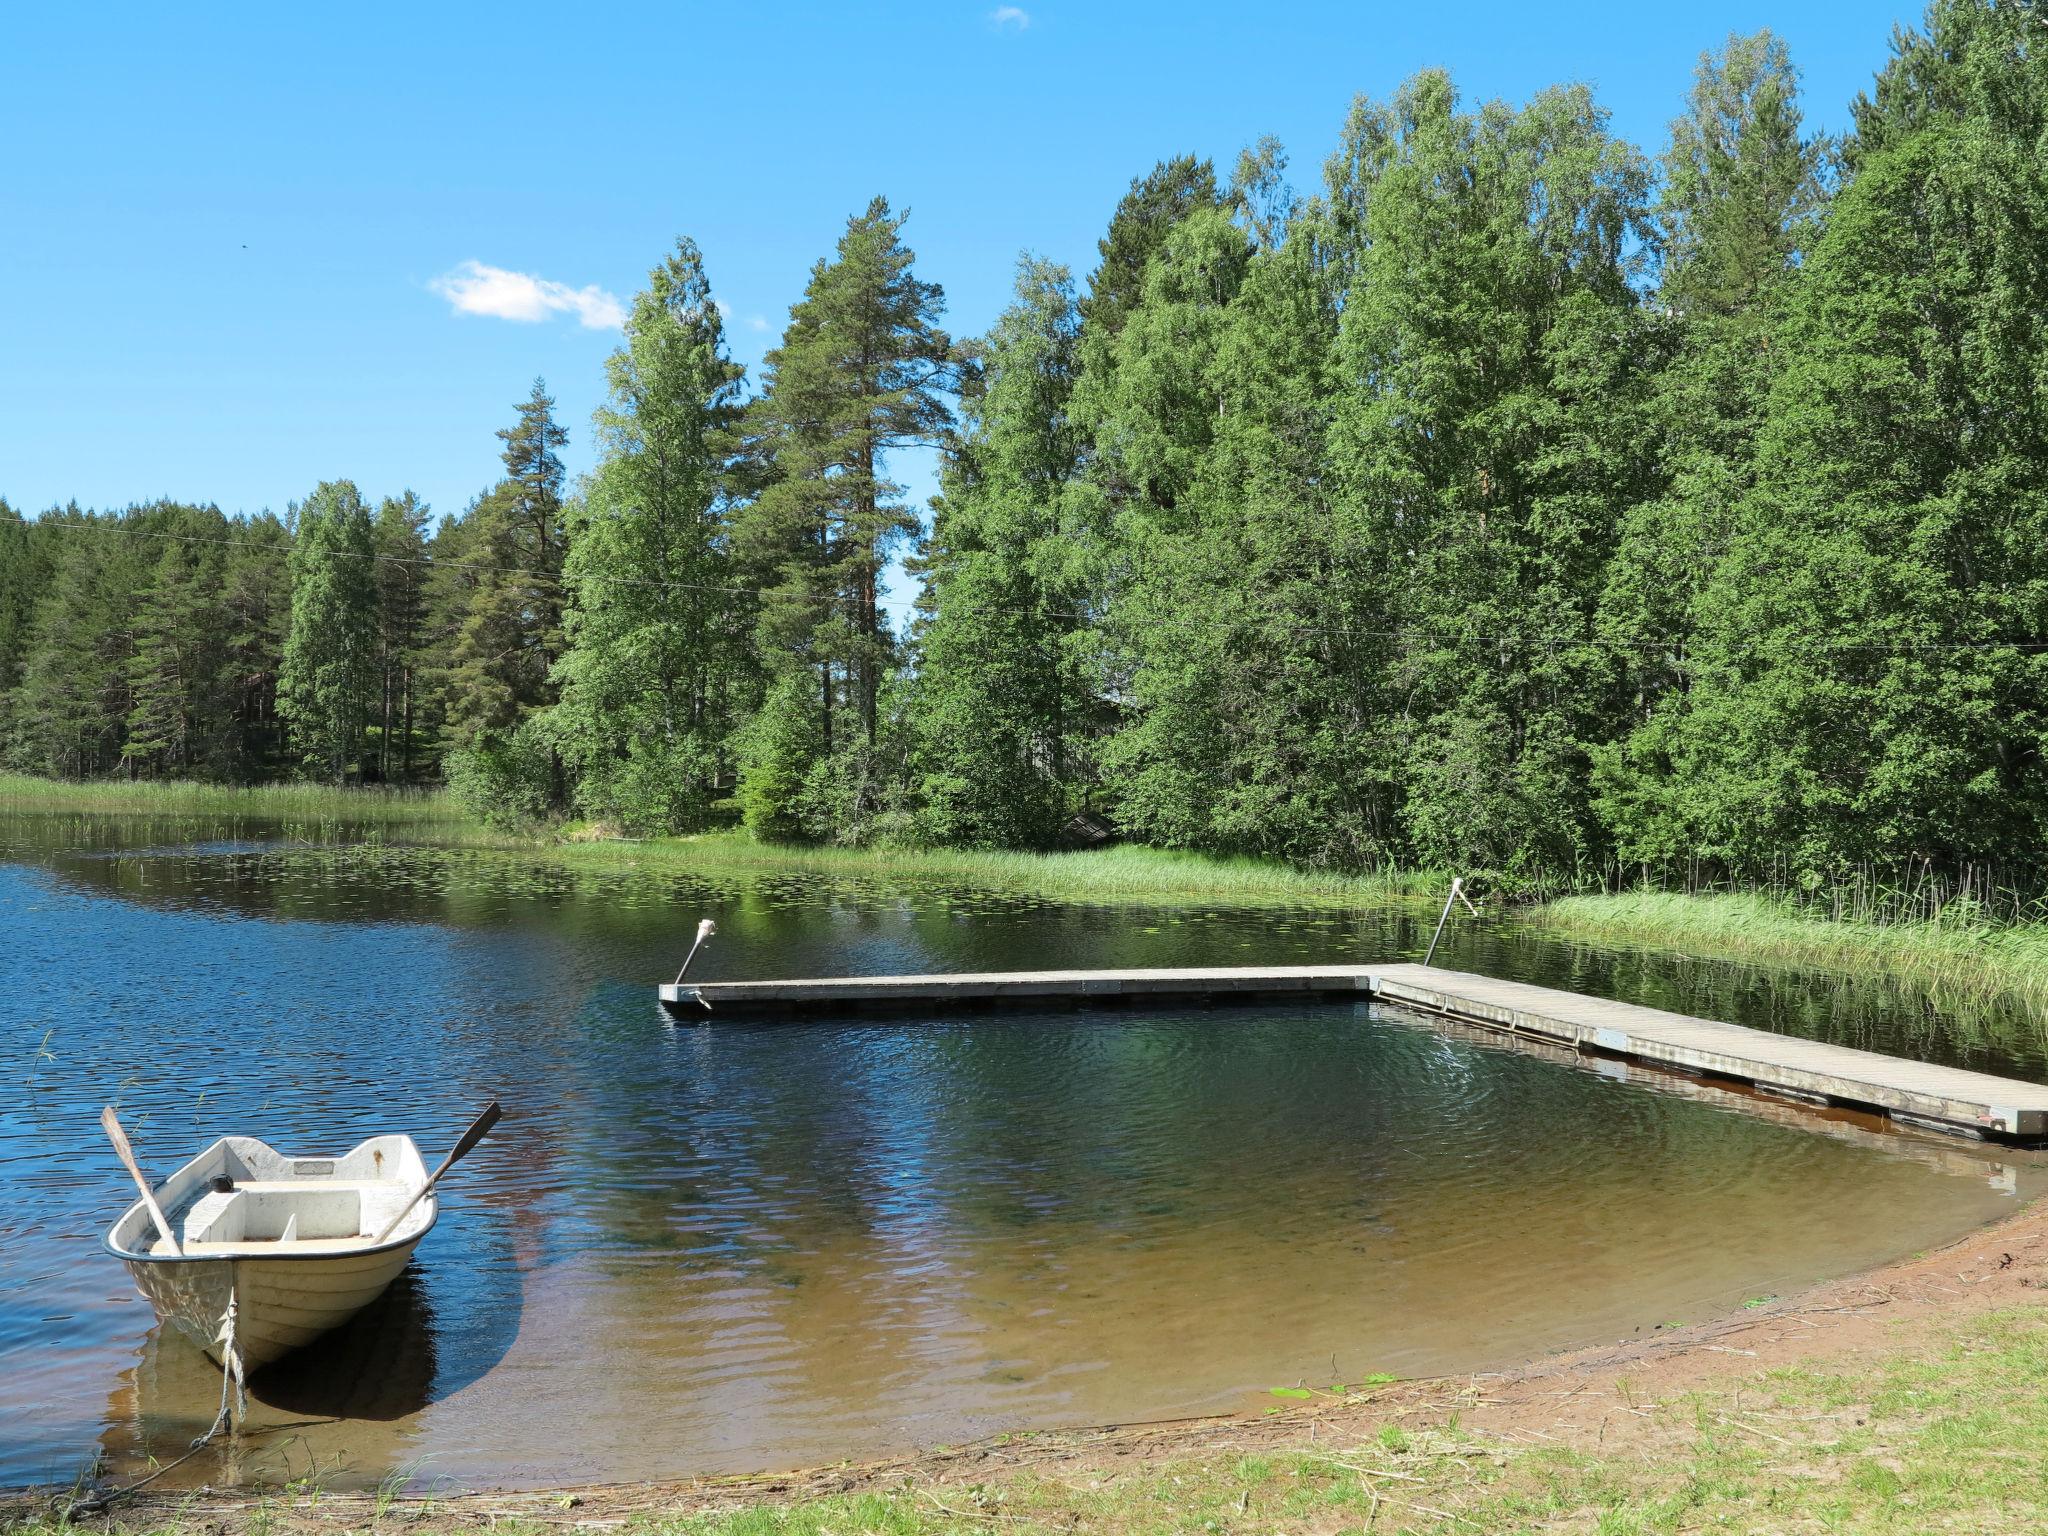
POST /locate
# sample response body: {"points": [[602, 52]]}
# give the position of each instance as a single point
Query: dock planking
{"points": [[1922, 1093]]}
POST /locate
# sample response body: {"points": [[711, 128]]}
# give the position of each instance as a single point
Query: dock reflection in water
{"points": [[739, 1246]]}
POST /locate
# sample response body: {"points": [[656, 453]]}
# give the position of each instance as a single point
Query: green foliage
{"points": [[506, 777], [1866, 680], [403, 573], [779, 747], [659, 667], [27, 557], [1002, 700], [179, 720], [862, 370], [1742, 186], [510, 631], [328, 677]]}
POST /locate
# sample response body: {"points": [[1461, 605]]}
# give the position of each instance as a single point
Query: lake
{"points": [[727, 1246]]}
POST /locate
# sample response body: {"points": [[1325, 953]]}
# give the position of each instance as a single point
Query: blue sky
{"points": [[229, 235]]}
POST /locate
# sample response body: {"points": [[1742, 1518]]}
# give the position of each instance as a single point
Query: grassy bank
{"points": [[292, 804], [1101, 875], [1952, 1438], [1946, 1430], [1954, 956]]}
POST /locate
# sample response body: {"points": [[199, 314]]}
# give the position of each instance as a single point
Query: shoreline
{"points": [[1770, 1387]]}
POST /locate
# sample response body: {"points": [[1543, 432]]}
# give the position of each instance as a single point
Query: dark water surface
{"points": [[737, 1245]]}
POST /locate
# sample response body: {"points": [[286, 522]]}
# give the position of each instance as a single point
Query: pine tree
{"points": [[863, 370], [1145, 219], [256, 605], [1153, 412], [451, 581], [327, 684], [401, 627], [70, 710], [180, 720], [511, 634], [659, 667], [26, 560]]}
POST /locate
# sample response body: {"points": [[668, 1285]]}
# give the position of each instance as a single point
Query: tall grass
{"points": [[290, 803], [1963, 950], [1874, 894]]}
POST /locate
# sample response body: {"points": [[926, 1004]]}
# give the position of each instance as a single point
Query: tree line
{"points": [[1508, 500]]}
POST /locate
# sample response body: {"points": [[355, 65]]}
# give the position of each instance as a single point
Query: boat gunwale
{"points": [[432, 1202]]}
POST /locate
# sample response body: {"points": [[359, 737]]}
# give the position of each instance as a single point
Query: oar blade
{"points": [[478, 1130]]}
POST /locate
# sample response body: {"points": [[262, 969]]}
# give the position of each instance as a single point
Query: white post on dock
{"points": [[1457, 894], [705, 929]]}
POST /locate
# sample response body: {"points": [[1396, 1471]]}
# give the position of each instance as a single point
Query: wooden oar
{"points": [[112, 1126], [476, 1133]]}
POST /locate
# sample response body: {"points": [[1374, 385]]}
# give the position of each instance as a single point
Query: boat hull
{"points": [[293, 1241], [280, 1304]]}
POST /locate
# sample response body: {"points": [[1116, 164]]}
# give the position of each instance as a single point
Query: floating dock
{"points": [[1918, 1093]]}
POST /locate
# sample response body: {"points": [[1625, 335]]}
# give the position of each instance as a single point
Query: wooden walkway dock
{"points": [[1942, 1098]]}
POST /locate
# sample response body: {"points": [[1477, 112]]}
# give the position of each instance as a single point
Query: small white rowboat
{"points": [[293, 1242]]}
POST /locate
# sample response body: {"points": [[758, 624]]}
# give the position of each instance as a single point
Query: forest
{"points": [[1507, 499]]}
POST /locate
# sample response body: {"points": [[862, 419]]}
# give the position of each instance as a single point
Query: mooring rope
{"points": [[234, 1403]]}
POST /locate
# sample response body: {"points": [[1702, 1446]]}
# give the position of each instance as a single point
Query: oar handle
{"points": [[478, 1130], [111, 1124]]}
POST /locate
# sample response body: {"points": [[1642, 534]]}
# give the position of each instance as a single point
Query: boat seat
{"points": [[278, 1212]]}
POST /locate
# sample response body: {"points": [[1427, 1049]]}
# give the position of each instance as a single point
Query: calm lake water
{"points": [[730, 1246]]}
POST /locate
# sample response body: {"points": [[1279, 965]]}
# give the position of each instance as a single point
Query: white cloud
{"points": [[757, 323], [1009, 16], [476, 289]]}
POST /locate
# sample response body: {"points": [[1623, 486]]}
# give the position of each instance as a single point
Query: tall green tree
{"points": [[70, 709], [659, 665], [256, 605], [511, 633], [1002, 703], [450, 589], [1743, 189], [1253, 615], [26, 560], [327, 684], [402, 575], [1492, 378], [1869, 674], [181, 720], [862, 371], [1145, 218]]}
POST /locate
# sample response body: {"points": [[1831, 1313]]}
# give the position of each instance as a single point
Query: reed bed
{"points": [[296, 804], [1966, 950]]}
